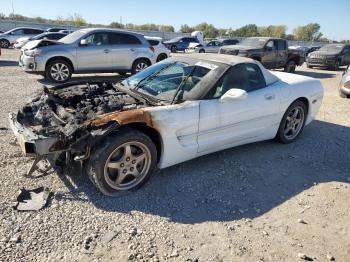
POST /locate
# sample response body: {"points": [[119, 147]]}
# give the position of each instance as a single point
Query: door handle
{"points": [[106, 51], [269, 96]]}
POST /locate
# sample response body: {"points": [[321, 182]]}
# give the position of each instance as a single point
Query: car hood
{"points": [[324, 53], [39, 43], [22, 39], [241, 47]]}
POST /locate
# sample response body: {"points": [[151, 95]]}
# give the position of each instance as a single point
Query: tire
{"points": [[290, 67], [336, 66], [139, 65], [58, 71], [286, 137], [308, 66], [105, 177], [161, 57], [202, 51], [173, 49], [4, 43]]}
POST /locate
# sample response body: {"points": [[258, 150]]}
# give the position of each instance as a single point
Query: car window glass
{"points": [[164, 84], [281, 45], [126, 39], [271, 45], [211, 44], [153, 42], [97, 39], [242, 76], [18, 32]]}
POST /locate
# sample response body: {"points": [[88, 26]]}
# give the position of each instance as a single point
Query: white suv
{"points": [[160, 50], [9, 38]]}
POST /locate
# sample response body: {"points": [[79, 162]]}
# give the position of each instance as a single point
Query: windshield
{"points": [[176, 39], [332, 48], [37, 37], [256, 42], [71, 38], [163, 80]]}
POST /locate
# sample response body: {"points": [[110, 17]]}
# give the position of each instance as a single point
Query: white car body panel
{"points": [[160, 48], [195, 128]]}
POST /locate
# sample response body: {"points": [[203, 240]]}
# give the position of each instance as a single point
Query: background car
{"points": [[9, 38], [212, 46], [160, 50], [330, 56], [1, 31], [180, 43], [88, 51], [66, 31], [20, 42], [344, 86]]}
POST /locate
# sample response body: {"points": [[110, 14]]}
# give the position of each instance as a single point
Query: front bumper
{"points": [[31, 64], [191, 50], [321, 62], [30, 143]]}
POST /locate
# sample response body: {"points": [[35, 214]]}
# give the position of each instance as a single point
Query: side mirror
{"points": [[83, 42], [234, 94]]}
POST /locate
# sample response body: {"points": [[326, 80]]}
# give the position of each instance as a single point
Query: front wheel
{"points": [[4, 43], [290, 67], [58, 71], [123, 162], [292, 123], [202, 51], [139, 65]]}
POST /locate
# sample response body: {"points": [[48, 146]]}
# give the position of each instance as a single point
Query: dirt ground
{"points": [[258, 202]]}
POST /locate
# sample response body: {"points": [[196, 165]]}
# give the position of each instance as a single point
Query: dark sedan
{"points": [[330, 56]]}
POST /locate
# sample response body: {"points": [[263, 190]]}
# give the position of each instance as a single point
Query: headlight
{"points": [[32, 53]]}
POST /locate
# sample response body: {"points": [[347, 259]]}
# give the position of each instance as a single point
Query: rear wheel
{"points": [[290, 67], [161, 57], [4, 43], [139, 65], [309, 66], [292, 123], [123, 162], [202, 51], [58, 71], [173, 49], [336, 65]]}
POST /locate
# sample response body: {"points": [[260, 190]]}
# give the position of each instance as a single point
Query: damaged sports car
{"points": [[173, 111]]}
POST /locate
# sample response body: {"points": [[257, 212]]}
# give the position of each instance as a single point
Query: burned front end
{"points": [[63, 123]]}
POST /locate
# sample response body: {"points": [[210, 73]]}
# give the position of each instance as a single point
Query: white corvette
{"points": [[173, 111]]}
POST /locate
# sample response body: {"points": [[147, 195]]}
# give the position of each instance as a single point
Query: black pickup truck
{"points": [[273, 53]]}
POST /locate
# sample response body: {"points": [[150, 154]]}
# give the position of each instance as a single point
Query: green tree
{"points": [[78, 20], [166, 28], [273, 31], [116, 25], [186, 29], [208, 30], [309, 32], [246, 31]]}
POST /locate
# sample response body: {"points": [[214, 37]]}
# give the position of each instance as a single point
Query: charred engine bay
{"points": [[64, 110]]}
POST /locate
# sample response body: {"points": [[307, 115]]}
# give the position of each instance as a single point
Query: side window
{"points": [[242, 76], [271, 45], [347, 50], [97, 39], [153, 42], [18, 32], [54, 36], [211, 44], [123, 39], [281, 45], [29, 31]]}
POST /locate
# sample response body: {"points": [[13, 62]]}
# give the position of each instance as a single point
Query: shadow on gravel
{"points": [[4, 63], [87, 78], [242, 182], [316, 74]]}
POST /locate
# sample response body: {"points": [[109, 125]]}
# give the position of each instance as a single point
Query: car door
{"points": [[346, 55], [282, 52], [124, 48], [269, 56], [15, 34], [95, 54], [230, 123]]}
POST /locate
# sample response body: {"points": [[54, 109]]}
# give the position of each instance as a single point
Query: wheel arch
{"points": [[60, 58], [143, 58]]}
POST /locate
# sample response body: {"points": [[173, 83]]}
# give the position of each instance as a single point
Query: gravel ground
{"points": [[259, 202]]}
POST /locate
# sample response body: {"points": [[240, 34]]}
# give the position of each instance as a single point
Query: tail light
{"points": [[165, 45], [347, 85], [152, 48]]}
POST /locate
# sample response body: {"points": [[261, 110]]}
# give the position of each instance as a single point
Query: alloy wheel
{"points": [[140, 66], [59, 72], [294, 122], [127, 165]]}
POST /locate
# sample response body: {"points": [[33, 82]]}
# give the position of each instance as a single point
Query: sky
{"points": [[332, 15]]}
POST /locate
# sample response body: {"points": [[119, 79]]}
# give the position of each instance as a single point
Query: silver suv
{"points": [[8, 38], [87, 51]]}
